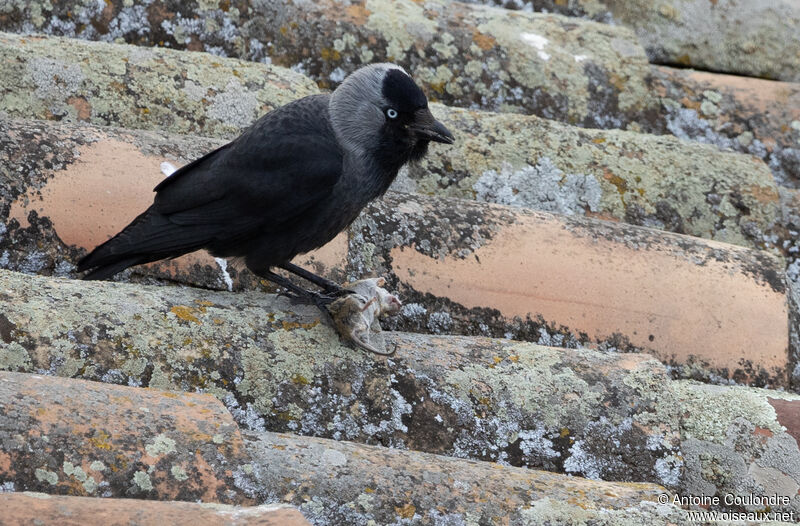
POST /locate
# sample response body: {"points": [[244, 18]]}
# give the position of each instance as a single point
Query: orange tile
{"points": [[684, 299], [37, 508], [82, 438]]}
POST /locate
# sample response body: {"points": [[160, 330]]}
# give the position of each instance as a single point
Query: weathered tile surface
{"points": [[39, 508], [590, 9], [686, 300], [740, 441], [619, 91], [465, 55], [709, 310], [517, 160], [601, 415], [577, 280], [749, 37], [655, 181], [276, 365], [506, 158], [74, 437], [134, 87], [335, 482], [755, 116]]}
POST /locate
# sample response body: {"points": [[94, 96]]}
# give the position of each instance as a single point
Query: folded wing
{"points": [[278, 169]]}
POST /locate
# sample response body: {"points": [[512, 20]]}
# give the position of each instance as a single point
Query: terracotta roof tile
{"points": [[38, 508], [74, 437]]}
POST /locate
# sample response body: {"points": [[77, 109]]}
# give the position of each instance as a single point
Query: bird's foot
{"points": [[312, 298], [330, 288], [309, 297]]}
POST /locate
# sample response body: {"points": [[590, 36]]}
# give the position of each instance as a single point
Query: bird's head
{"points": [[379, 111]]}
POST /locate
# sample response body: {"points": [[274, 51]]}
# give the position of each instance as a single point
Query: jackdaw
{"points": [[289, 184]]}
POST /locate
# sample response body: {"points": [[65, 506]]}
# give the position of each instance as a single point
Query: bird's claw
{"points": [[322, 300]]}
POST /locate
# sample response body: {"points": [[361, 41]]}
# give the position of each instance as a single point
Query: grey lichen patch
{"points": [[722, 406], [236, 106], [288, 361], [334, 458], [90, 485], [188, 353], [559, 382], [601, 89], [43, 475], [704, 108], [162, 445], [402, 26], [179, 473], [709, 108], [142, 481], [542, 187], [440, 322], [590, 464], [739, 445], [515, 395], [688, 124], [159, 379], [74, 471], [669, 469], [134, 367], [323, 510], [54, 82], [14, 357], [70, 365]]}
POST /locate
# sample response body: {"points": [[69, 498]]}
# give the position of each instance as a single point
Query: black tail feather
{"points": [[149, 237], [106, 271]]}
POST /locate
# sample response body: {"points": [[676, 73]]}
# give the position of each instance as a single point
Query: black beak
{"points": [[427, 127]]}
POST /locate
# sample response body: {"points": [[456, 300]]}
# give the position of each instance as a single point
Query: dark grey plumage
{"points": [[288, 184]]}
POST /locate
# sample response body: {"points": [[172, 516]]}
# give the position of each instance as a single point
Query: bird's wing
{"points": [[190, 166], [268, 176], [275, 171]]}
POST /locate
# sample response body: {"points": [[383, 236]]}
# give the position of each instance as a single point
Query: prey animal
{"points": [[289, 184], [355, 315]]}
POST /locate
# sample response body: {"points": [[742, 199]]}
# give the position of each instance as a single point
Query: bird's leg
{"points": [[327, 285], [299, 293]]}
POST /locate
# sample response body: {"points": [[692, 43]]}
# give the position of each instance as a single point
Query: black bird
{"points": [[292, 181]]}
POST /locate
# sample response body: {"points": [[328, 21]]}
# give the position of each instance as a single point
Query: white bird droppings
{"points": [[167, 168], [223, 267]]}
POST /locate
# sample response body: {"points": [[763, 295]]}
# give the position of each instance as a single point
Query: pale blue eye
{"points": [[391, 113]]}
